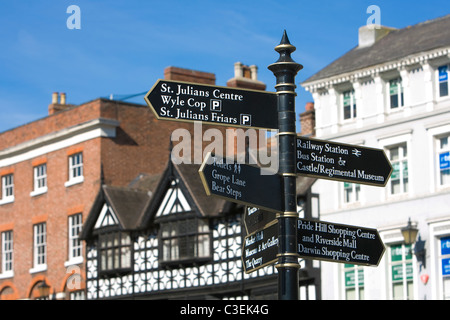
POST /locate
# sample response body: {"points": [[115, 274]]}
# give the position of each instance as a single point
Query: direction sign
{"points": [[189, 102], [339, 243], [256, 218], [343, 162], [260, 248], [241, 183]]}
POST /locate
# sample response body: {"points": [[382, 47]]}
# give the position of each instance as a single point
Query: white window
{"points": [[7, 188], [40, 179], [401, 270], [75, 169], [443, 80], [349, 104], [444, 258], [443, 156], [7, 252], [396, 93], [74, 241], [353, 282], [351, 192], [40, 245], [399, 161]]}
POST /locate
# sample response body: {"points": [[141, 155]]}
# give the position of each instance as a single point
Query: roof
{"points": [[397, 44], [136, 204]]}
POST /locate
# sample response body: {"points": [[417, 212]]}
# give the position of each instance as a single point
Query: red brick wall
{"points": [[53, 208]]}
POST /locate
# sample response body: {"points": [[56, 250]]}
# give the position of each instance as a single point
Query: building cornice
{"points": [[373, 71], [95, 128]]}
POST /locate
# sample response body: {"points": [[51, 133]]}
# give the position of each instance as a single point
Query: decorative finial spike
{"points": [[285, 39], [285, 48]]}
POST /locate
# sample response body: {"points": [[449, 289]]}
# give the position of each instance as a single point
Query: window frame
{"points": [[39, 247], [74, 244], [406, 261], [169, 244], [115, 257], [442, 151], [75, 169], [358, 278], [352, 106], [402, 159], [440, 74], [354, 196], [39, 176], [7, 188], [7, 254], [399, 98]]}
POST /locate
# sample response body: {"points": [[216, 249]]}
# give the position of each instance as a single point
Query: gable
{"points": [[106, 218], [174, 201]]}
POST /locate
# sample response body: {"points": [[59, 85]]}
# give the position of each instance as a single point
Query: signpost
{"points": [[241, 183], [339, 243], [343, 162], [266, 196], [256, 218], [260, 248], [189, 102], [320, 240]]}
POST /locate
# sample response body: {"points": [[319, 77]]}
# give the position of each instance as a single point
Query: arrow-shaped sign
{"points": [[189, 102], [255, 218], [260, 248], [241, 183], [344, 162], [339, 243]]}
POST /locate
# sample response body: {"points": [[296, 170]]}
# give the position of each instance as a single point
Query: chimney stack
{"points": [[55, 98], [308, 121], [246, 77], [62, 99], [57, 106], [180, 74], [369, 34]]}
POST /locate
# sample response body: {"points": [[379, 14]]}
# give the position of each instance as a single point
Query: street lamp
{"points": [[409, 233]]}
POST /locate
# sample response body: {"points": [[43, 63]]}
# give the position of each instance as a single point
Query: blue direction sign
{"points": [[189, 102]]}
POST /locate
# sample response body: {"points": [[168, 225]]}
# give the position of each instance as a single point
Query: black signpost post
{"points": [[285, 69]]}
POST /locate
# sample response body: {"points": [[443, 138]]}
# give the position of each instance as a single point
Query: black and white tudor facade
{"points": [[162, 237]]}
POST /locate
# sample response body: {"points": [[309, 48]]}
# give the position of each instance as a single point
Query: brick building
{"points": [[53, 169]]}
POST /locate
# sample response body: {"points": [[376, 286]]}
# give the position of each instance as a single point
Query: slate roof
{"points": [[397, 44]]}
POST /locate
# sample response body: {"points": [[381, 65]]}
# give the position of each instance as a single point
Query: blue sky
{"points": [[123, 47]]}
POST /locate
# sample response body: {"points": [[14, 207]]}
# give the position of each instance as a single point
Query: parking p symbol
{"points": [[246, 120]]}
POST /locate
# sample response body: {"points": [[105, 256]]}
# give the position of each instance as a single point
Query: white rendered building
{"points": [[391, 92]]}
